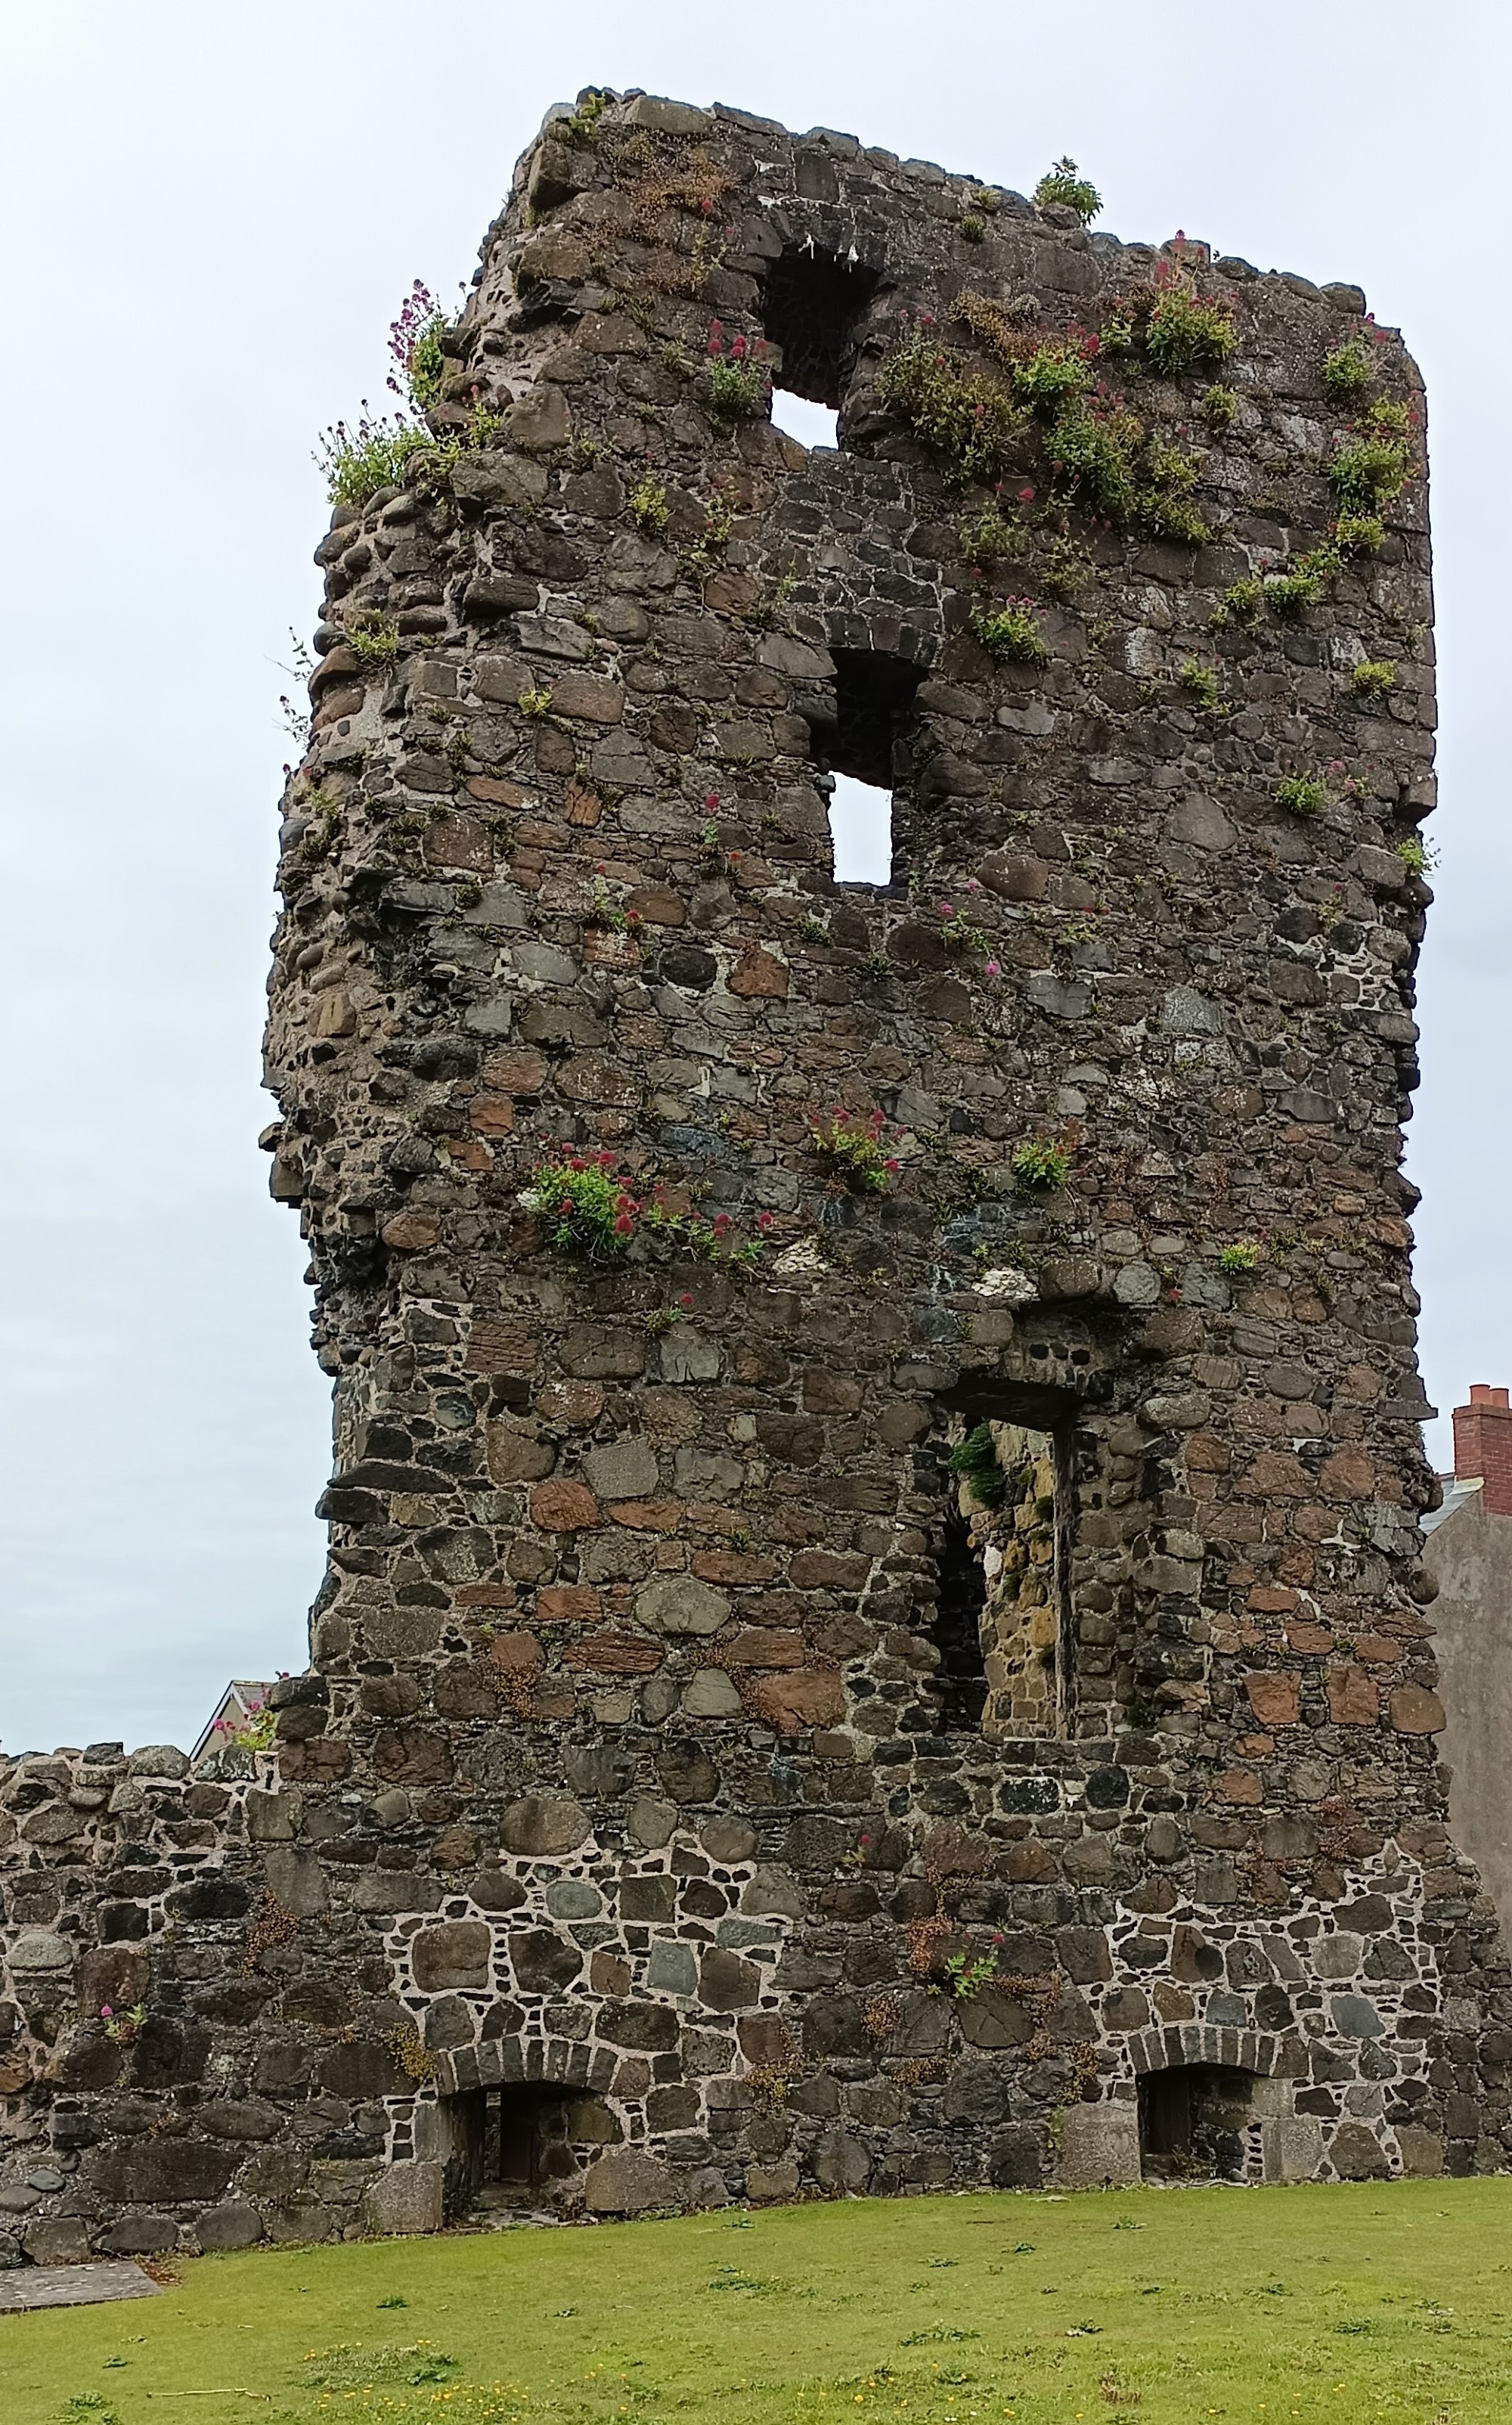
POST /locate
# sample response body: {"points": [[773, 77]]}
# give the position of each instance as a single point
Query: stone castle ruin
{"points": [[874, 1638]]}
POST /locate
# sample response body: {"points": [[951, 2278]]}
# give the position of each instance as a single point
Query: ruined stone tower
{"points": [[873, 1637]]}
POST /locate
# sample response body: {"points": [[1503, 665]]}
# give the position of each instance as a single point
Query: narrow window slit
{"points": [[1001, 1628]]}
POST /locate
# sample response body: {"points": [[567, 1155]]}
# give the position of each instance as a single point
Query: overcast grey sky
{"points": [[211, 215]]}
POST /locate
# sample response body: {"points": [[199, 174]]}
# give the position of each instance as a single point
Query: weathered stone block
{"points": [[1099, 2147], [405, 2201], [1290, 2148], [627, 2181], [456, 1954]]}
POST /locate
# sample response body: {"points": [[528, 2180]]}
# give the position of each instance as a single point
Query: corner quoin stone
{"points": [[652, 1762]]}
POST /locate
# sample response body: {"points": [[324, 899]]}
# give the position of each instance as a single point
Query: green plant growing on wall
{"points": [[1010, 632], [1100, 458], [1166, 504], [1220, 405], [856, 1150], [1348, 371], [1092, 452], [583, 126], [1174, 327], [1238, 1259], [371, 454], [976, 1460], [972, 226], [966, 1974], [376, 639], [1359, 534], [415, 349], [123, 2029], [958, 413], [1289, 594], [254, 1730], [1418, 857], [1065, 568], [1242, 601], [587, 1208], [1370, 467], [1049, 377], [737, 384], [533, 704], [603, 909], [648, 505], [1064, 184], [1388, 418], [988, 540], [1041, 1165], [712, 1241], [1200, 680], [1306, 795], [1182, 333], [707, 554], [1374, 678], [959, 932]]}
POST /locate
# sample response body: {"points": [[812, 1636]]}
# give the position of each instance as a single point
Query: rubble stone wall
{"points": [[629, 1758]]}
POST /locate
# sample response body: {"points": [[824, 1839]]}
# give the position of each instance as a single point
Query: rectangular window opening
{"points": [[812, 305], [864, 750], [861, 828]]}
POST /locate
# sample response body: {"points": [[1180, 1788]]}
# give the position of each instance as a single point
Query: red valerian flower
{"points": [[763, 1220], [711, 799]]}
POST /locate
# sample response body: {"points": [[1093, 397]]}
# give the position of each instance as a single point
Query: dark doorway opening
{"points": [[1193, 2122], [514, 2146], [812, 309]]}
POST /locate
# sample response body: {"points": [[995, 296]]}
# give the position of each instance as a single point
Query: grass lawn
{"points": [[1337, 2304]]}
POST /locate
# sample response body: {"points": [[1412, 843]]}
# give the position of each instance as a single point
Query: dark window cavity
{"points": [[866, 746], [812, 308]]}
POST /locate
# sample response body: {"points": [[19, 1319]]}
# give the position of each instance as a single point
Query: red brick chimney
{"points": [[1483, 1446]]}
